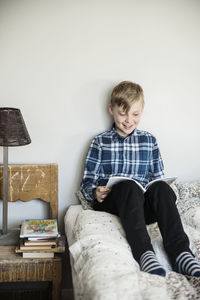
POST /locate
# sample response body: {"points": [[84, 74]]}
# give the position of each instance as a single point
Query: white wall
{"points": [[59, 61]]}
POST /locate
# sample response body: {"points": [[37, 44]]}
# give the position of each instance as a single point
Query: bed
{"points": [[103, 267]]}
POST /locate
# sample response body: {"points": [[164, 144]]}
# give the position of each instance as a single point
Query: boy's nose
{"points": [[128, 119]]}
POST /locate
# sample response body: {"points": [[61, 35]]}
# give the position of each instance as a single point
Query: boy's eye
{"points": [[122, 113]]}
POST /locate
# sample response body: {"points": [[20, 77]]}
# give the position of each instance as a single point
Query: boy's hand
{"points": [[101, 192]]}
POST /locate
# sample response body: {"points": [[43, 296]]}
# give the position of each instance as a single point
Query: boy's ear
{"points": [[110, 109]]}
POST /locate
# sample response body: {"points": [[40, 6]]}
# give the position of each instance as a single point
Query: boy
{"points": [[126, 151]]}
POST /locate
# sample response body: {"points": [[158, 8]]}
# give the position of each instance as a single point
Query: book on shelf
{"points": [[23, 246], [38, 228], [59, 247], [40, 238], [38, 254], [40, 242], [116, 179]]}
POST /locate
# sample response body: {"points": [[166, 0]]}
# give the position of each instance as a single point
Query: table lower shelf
{"points": [[26, 290], [14, 268]]}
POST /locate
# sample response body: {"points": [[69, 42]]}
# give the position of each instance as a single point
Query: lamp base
{"points": [[11, 238]]}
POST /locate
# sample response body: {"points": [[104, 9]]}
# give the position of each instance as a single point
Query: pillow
{"points": [[85, 204], [189, 196], [190, 189]]}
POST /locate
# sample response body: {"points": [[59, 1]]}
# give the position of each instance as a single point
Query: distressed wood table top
{"points": [[7, 254]]}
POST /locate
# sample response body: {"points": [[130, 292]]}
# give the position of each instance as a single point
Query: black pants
{"points": [[136, 209]]}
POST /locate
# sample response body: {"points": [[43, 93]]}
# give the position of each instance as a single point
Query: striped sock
{"points": [[150, 264], [187, 264]]}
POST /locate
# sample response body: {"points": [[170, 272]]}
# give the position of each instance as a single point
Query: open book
{"points": [[116, 179]]}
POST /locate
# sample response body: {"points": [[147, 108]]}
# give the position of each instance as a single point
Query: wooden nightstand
{"points": [[14, 268], [27, 182]]}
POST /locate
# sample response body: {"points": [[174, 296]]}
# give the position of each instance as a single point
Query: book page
{"points": [[116, 179], [168, 180]]}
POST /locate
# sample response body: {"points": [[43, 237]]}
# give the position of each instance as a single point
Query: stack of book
{"points": [[40, 239]]}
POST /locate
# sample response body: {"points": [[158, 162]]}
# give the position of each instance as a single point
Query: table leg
{"points": [[56, 283]]}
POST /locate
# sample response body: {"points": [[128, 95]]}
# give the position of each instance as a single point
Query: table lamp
{"points": [[13, 132]]}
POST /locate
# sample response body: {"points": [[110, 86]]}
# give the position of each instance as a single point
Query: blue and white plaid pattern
{"points": [[136, 156]]}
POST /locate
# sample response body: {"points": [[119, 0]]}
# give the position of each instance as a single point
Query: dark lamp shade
{"points": [[13, 130]]}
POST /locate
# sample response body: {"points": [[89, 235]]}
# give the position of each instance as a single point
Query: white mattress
{"points": [[69, 220], [103, 267]]}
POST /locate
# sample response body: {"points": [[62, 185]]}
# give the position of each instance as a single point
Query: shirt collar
{"points": [[118, 137]]}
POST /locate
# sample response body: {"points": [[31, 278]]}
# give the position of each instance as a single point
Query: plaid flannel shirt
{"points": [[136, 156]]}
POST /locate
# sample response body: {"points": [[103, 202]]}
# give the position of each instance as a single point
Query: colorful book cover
{"points": [[39, 228]]}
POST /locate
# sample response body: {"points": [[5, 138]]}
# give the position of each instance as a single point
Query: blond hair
{"points": [[126, 93]]}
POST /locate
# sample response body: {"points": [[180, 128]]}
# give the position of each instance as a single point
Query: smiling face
{"points": [[126, 121]]}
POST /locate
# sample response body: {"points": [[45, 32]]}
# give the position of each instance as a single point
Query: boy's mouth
{"points": [[127, 127]]}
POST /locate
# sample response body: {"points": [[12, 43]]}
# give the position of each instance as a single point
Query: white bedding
{"points": [[103, 267]]}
